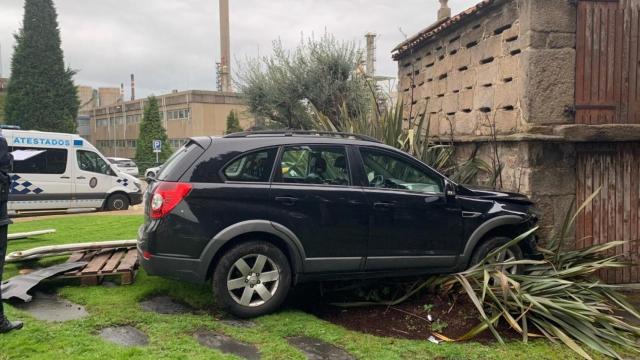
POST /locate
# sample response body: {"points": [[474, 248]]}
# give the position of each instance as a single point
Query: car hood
{"points": [[488, 193]]}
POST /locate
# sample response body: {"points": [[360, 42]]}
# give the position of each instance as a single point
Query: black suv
{"points": [[259, 212]]}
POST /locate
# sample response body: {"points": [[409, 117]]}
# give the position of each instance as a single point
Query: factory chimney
{"points": [[225, 48], [121, 92], [371, 54], [445, 11], [133, 87]]}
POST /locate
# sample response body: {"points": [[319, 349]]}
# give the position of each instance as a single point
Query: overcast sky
{"points": [[174, 44]]}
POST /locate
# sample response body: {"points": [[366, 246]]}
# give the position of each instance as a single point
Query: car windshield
{"points": [[125, 163]]}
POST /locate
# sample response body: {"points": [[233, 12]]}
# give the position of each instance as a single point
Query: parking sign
{"points": [[157, 146]]}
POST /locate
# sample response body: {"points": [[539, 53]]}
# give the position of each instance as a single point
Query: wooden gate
{"points": [[613, 215], [608, 62]]}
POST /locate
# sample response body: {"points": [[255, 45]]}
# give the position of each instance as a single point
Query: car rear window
{"points": [[173, 168]]}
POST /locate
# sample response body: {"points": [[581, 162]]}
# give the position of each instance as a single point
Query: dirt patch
{"points": [[227, 345], [417, 318], [125, 336]]}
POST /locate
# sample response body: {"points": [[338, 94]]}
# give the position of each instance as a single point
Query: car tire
{"points": [[492, 244], [240, 282], [151, 174], [117, 202]]}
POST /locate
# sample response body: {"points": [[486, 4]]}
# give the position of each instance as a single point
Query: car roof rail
{"points": [[301, 133]]}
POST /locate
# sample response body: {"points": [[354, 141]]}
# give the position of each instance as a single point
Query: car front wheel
{"points": [[513, 253], [252, 279]]}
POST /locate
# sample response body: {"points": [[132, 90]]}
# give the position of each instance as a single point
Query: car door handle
{"points": [[81, 178], [286, 200], [65, 177], [382, 205]]}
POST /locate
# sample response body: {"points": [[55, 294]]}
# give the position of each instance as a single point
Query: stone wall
{"points": [[509, 68], [469, 77], [491, 83]]}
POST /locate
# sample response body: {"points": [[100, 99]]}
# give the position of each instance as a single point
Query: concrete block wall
{"points": [[469, 78]]}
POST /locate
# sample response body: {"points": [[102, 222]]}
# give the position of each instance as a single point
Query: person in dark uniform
{"points": [[5, 167]]}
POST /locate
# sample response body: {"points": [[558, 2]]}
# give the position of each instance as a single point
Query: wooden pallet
{"points": [[105, 263]]}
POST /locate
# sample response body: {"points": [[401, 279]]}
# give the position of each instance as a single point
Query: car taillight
{"points": [[166, 196]]}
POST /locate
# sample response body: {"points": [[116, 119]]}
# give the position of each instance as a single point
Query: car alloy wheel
{"points": [[253, 280], [506, 256]]}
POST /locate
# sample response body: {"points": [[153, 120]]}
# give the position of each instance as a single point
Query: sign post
{"points": [[157, 148]]}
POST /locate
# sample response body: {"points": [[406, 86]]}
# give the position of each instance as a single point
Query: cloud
{"points": [[175, 44]]}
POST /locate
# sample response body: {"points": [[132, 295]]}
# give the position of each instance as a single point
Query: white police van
{"points": [[53, 171]]}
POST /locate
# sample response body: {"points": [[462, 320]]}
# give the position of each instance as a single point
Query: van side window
{"points": [[50, 161], [254, 167], [92, 162]]}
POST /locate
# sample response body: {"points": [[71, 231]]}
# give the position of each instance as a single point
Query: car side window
{"points": [[315, 165], [253, 167], [388, 171], [92, 162]]}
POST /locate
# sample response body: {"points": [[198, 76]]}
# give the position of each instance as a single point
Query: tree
{"points": [[41, 94], [2, 99], [233, 123], [151, 129], [318, 75]]}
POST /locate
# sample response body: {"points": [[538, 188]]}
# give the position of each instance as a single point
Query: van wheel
{"points": [[117, 202], [513, 253], [252, 279]]}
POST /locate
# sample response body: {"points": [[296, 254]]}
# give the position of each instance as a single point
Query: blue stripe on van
{"points": [[22, 186]]}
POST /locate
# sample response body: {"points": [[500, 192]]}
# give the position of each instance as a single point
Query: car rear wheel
{"points": [[151, 174], [117, 202], [514, 253], [252, 279]]}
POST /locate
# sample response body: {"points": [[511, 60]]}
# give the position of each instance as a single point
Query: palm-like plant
{"points": [[388, 126], [559, 297]]}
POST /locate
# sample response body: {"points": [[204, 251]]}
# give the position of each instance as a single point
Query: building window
{"points": [[133, 119], [131, 143], [181, 114], [177, 143], [102, 123]]}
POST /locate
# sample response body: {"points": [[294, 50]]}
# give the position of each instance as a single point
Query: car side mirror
{"points": [[449, 189]]}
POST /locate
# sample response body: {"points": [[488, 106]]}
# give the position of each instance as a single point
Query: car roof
{"points": [[262, 139]]}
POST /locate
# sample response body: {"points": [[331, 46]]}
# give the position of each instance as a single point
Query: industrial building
{"points": [[113, 125]]}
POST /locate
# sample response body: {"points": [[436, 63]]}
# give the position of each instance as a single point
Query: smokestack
{"points": [[445, 11], [121, 92], [371, 54], [133, 87], [225, 47]]}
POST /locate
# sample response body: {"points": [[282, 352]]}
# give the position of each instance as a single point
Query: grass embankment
{"points": [[171, 336]]}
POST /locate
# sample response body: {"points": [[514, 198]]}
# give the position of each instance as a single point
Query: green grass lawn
{"points": [[171, 336]]}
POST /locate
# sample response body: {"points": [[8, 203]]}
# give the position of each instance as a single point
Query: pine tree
{"points": [[233, 123], [151, 129], [2, 98], [41, 94]]}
